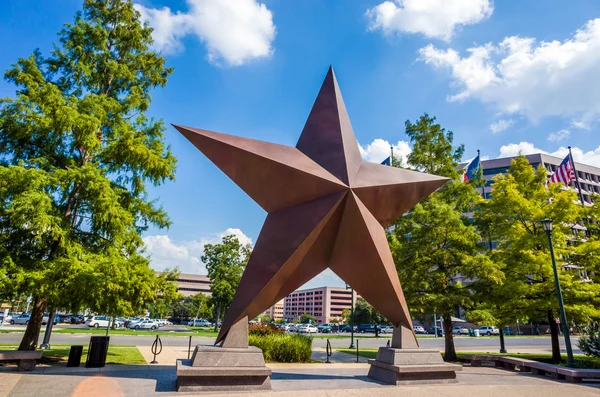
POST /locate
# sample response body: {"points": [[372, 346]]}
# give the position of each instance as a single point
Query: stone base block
{"points": [[214, 368], [411, 366]]}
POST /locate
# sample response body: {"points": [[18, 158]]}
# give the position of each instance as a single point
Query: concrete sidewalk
{"points": [[320, 380]]}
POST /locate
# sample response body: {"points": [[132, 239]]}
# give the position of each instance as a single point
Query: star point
{"points": [[325, 208]]}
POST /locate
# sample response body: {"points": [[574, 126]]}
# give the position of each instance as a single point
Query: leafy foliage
{"points": [[436, 249], [263, 330], [225, 263], [76, 153], [284, 348], [589, 343]]}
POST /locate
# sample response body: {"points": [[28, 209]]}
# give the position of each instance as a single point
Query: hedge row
{"points": [[283, 348]]}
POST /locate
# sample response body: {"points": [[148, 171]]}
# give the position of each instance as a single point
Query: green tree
{"points": [[193, 306], [520, 200], [76, 152], [307, 318], [362, 312], [346, 314], [225, 263], [436, 249]]}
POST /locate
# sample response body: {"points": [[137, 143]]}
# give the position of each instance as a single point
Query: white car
{"points": [[419, 330], [487, 330], [144, 324], [307, 329], [387, 329], [98, 321], [198, 322]]}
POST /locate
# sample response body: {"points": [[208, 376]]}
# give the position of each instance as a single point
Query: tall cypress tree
{"points": [[436, 249], [76, 153]]}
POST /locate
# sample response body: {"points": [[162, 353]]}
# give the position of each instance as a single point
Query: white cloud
{"points": [[522, 76], [235, 31], [559, 135], [514, 149], [166, 253], [500, 125], [431, 18], [591, 157], [379, 150]]}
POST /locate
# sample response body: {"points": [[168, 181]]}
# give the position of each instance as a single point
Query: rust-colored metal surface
{"points": [[326, 208]]}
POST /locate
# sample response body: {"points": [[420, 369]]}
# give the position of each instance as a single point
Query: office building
{"points": [[323, 303], [191, 284], [587, 176], [275, 312]]}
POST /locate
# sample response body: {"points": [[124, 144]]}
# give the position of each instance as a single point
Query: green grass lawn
{"points": [[117, 354], [581, 360]]}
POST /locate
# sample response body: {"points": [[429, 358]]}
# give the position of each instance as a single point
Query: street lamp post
{"points": [[547, 224], [351, 318]]}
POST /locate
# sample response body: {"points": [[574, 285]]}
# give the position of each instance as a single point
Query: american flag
{"points": [[564, 173]]}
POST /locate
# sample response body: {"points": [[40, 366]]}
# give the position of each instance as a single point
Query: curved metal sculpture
{"points": [[326, 208]]}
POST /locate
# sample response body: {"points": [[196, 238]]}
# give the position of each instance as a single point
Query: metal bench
{"points": [[26, 359]]}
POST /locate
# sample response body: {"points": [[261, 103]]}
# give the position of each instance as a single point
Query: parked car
{"points": [[431, 331], [510, 332], [345, 328], [97, 321], [419, 330], [387, 329], [458, 330], [144, 324], [21, 319], [78, 319], [293, 328], [363, 328], [307, 329], [198, 322], [487, 330], [324, 328]]}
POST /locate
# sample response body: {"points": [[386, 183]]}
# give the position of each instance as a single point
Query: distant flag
{"points": [[564, 173], [387, 161], [472, 169]]}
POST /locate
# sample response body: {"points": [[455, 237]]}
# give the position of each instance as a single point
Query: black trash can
{"points": [[97, 352], [75, 356]]}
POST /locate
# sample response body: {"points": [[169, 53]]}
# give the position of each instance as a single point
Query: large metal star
{"points": [[326, 208]]}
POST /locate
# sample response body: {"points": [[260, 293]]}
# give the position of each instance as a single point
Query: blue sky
{"points": [[505, 77]]}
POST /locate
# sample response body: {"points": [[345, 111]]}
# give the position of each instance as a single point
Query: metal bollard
{"points": [[328, 351], [357, 350], [189, 347], [156, 349]]}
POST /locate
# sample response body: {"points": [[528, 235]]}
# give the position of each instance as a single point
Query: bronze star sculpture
{"points": [[326, 208]]}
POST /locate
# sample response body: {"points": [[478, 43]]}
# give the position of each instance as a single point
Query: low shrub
{"points": [[283, 348], [263, 330], [589, 342]]}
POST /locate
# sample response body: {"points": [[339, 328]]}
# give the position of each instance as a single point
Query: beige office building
{"points": [[323, 303], [275, 312], [191, 284]]}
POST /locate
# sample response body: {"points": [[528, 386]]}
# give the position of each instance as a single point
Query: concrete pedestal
{"points": [[215, 368], [395, 366]]}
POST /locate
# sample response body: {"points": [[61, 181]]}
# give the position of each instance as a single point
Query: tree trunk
{"points": [[32, 333], [450, 351], [554, 337], [218, 316], [502, 345]]}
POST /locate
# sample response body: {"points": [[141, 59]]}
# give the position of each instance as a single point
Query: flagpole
{"points": [[482, 177], [391, 155], [576, 177]]}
